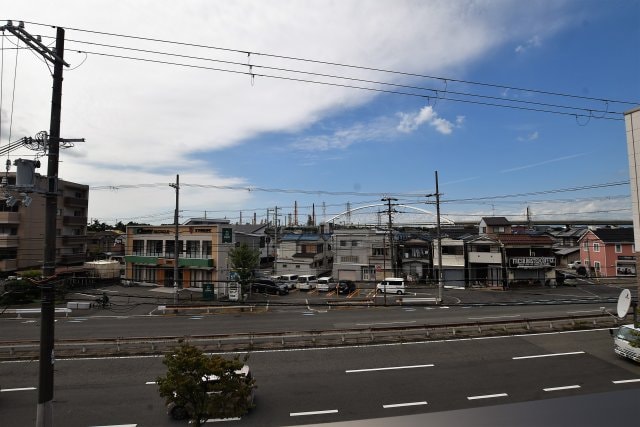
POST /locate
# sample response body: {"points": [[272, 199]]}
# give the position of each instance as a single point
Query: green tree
{"points": [[202, 387], [244, 261]]}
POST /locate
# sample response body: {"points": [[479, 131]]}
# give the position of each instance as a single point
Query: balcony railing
{"points": [[74, 220]]}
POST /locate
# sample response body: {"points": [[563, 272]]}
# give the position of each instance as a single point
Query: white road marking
{"points": [[150, 383], [385, 323], [400, 405], [547, 355], [567, 387], [487, 396], [17, 389], [118, 425], [635, 380], [494, 317], [390, 368], [221, 420], [299, 414], [585, 311]]}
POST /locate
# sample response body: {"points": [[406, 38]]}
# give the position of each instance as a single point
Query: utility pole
{"points": [[389, 211], [439, 239], [176, 256]]}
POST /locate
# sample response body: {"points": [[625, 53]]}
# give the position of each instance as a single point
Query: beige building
{"points": [[22, 224]]}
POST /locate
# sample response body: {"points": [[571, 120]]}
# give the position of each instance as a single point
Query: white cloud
{"points": [[409, 122], [530, 137], [139, 118], [533, 42]]}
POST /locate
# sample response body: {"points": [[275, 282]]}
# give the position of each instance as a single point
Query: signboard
{"points": [[207, 291], [532, 262], [227, 235]]}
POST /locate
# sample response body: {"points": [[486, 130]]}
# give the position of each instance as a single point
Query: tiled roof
{"points": [[524, 239], [496, 220], [615, 235]]}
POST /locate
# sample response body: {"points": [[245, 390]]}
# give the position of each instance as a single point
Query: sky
{"points": [[330, 105]]}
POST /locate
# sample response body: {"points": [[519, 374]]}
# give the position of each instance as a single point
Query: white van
{"points": [[290, 279], [626, 342], [326, 284], [391, 285], [307, 282]]}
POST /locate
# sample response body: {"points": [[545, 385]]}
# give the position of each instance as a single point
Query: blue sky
{"points": [[146, 122]]}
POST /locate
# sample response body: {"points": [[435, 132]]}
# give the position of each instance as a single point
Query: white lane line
{"points": [[299, 414], [118, 425], [635, 380], [487, 396], [401, 405], [494, 317], [584, 311], [17, 389], [547, 355], [221, 420], [567, 387], [389, 368], [150, 383], [385, 323]]}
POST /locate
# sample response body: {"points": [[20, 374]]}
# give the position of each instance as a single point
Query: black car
{"points": [[266, 286], [346, 286]]}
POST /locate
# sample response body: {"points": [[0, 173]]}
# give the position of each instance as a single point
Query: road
{"points": [[418, 381]]}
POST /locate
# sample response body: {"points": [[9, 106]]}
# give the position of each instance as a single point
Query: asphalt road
{"points": [[357, 383]]}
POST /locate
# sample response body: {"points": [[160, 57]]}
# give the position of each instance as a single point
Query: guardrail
{"points": [[21, 311], [122, 346]]}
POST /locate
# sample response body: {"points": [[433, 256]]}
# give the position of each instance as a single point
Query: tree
{"points": [[202, 387], [244, 261]]}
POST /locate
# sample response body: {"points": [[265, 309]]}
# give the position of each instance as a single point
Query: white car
{"points": [[574, 265], [391, 285], [326, 284], [626, 341]]}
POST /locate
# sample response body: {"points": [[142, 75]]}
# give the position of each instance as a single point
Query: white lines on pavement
{"points": [[17, 389], [401, 405], [221, 420], [390, 368], [547, 355], [635, 380], [487, 396], [566, 387], [150, 383], [118, 425], [494, 317], [300, 414], [600, 310], [385, 323]]}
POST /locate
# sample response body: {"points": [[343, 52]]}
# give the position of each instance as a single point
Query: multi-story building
{"points": [[361, 254], [203, 253], [529, 258], [22, 224], [301, 253], [609, 252], [453, 262], [485, 261]]}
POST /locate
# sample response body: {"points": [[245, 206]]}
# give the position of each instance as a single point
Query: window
{"points": [[585, 245], [596, 266], [206, 249], [596, 247], [154, 247], [618, 248], [138, 247], [355, 243], [379, 251], [297, 265], [343, 243], [353, 259], [193, 249]]}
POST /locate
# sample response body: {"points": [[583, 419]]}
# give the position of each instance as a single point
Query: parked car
{"points": [[267, 286], [326, 284], [346, 287], [307, 282], [290, 279], [574, 265], [391, 285]]}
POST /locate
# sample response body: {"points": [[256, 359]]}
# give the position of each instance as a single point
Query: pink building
{"points": [[608, 252]]}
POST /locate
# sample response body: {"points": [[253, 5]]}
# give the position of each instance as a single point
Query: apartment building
{"points": [[22, 224]]}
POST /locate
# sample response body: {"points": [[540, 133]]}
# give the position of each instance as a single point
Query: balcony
{"points": [[8, 265], [7, 241], [70, 259], [9, 218], [74, 220], [76, 201], [73, 240]]}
